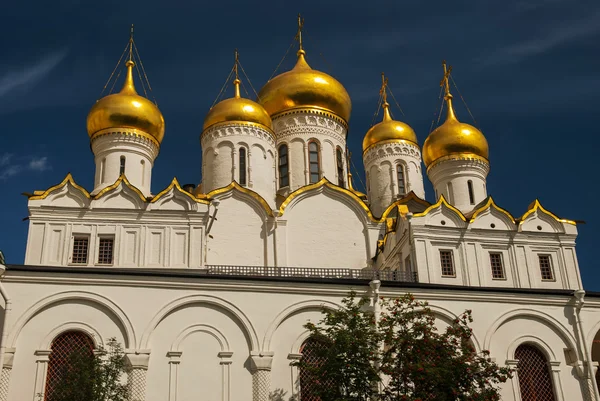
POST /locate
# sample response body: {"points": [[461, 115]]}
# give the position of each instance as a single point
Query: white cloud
{"points": [[5, 159], [29, 76], [39, 164], [10, 171]]}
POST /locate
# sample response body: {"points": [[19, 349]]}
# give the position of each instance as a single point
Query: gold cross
{"points": [[445, 82], [384, 83], [300, 26]]}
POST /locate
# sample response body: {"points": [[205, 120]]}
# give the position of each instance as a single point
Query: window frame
{"points": [[550, 267], [243, 172], [502, 268], [318, 162], [453, 265], [76, 237], [471, 192], [339, 159], [101, 238], [286, 176], [401, 169], [122, 164]]}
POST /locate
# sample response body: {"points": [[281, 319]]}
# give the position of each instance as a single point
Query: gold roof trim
{"points": [[121, 180], [459, 156], [536, 205], [411, 196], [235, 186], [175, 185], [491, 204], [441, 201], [325, 183], [39, 195]]}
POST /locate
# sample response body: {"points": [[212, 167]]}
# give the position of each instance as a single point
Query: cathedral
{"points": [[208, 286]]}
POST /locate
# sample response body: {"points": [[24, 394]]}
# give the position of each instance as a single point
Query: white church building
{"points": [[208, 286]]}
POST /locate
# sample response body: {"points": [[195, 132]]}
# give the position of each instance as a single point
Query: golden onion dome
{"points": [[238, 109], [126, 109], [389, 129], [303, 87], [454, 138]]}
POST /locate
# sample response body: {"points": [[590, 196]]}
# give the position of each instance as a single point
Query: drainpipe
{"points": [[579, 297], [7, 309], [275, 226]]}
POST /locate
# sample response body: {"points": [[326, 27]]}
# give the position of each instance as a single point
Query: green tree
{"points": [[97, 377], [400, 355]]}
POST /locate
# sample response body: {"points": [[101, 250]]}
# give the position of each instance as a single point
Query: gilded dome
{"points": [[388, 129], [238, 109], [454, 138], [126, 109], [303, 87]]}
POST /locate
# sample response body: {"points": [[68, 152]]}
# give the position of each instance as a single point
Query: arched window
{"points": [[284, 164], [534, 375], [242, 166], [65, 349], [314, 162], [401, 180], [122, 167], [309, 351], [471, 195], [450, 193], [340, 167], [143, 163], [103, 170]]}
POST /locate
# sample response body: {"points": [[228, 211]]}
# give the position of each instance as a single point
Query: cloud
{"points": [[556, 37], [39, 164], [9, 167], [31, 75]]}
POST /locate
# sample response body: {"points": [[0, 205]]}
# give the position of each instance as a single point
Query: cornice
{"points": [[233, 128]]}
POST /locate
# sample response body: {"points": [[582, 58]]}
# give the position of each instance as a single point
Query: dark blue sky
{"points": [[528, 69]]}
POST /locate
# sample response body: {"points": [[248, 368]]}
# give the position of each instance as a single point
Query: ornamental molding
{"points": [[386, 150], [125, 136], [307, 124], [233, 129], [311, 116], [462, 160]]}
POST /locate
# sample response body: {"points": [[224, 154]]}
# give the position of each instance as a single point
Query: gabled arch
{"points": [[442, 207], [116, 312], [234, 186], [410, 197], [318, 187], [123, 185], [442, 202], [67, 181], [490, 207], [175, 188], [248, 329], [537, 206]]}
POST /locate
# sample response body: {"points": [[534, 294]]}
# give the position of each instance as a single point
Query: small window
{"points": [[340, 167], [447, 263], [471, 195], [122, 167], [314, 162], [80, 250], [496, 265], [105, 250], [284, 172], [243, 166], [103, 170], [401, 180], [143, 164], [450, 194], [546, 268]]}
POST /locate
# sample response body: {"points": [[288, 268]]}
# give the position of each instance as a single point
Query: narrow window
{"points": [[71, 347], [450, 193], [471, 195], [284, 172], [143, 163], [122, 167], [105, 250], [535, 382], [401, 181], [340, 167], [447, 263], [311, 354], [242, 166], [546, 268], [368, 183], [313, 159], [496, 265], [103, 170], [80, 250]]}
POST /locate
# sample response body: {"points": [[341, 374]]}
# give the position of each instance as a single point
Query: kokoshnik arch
{"points": [[208, 286]]}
